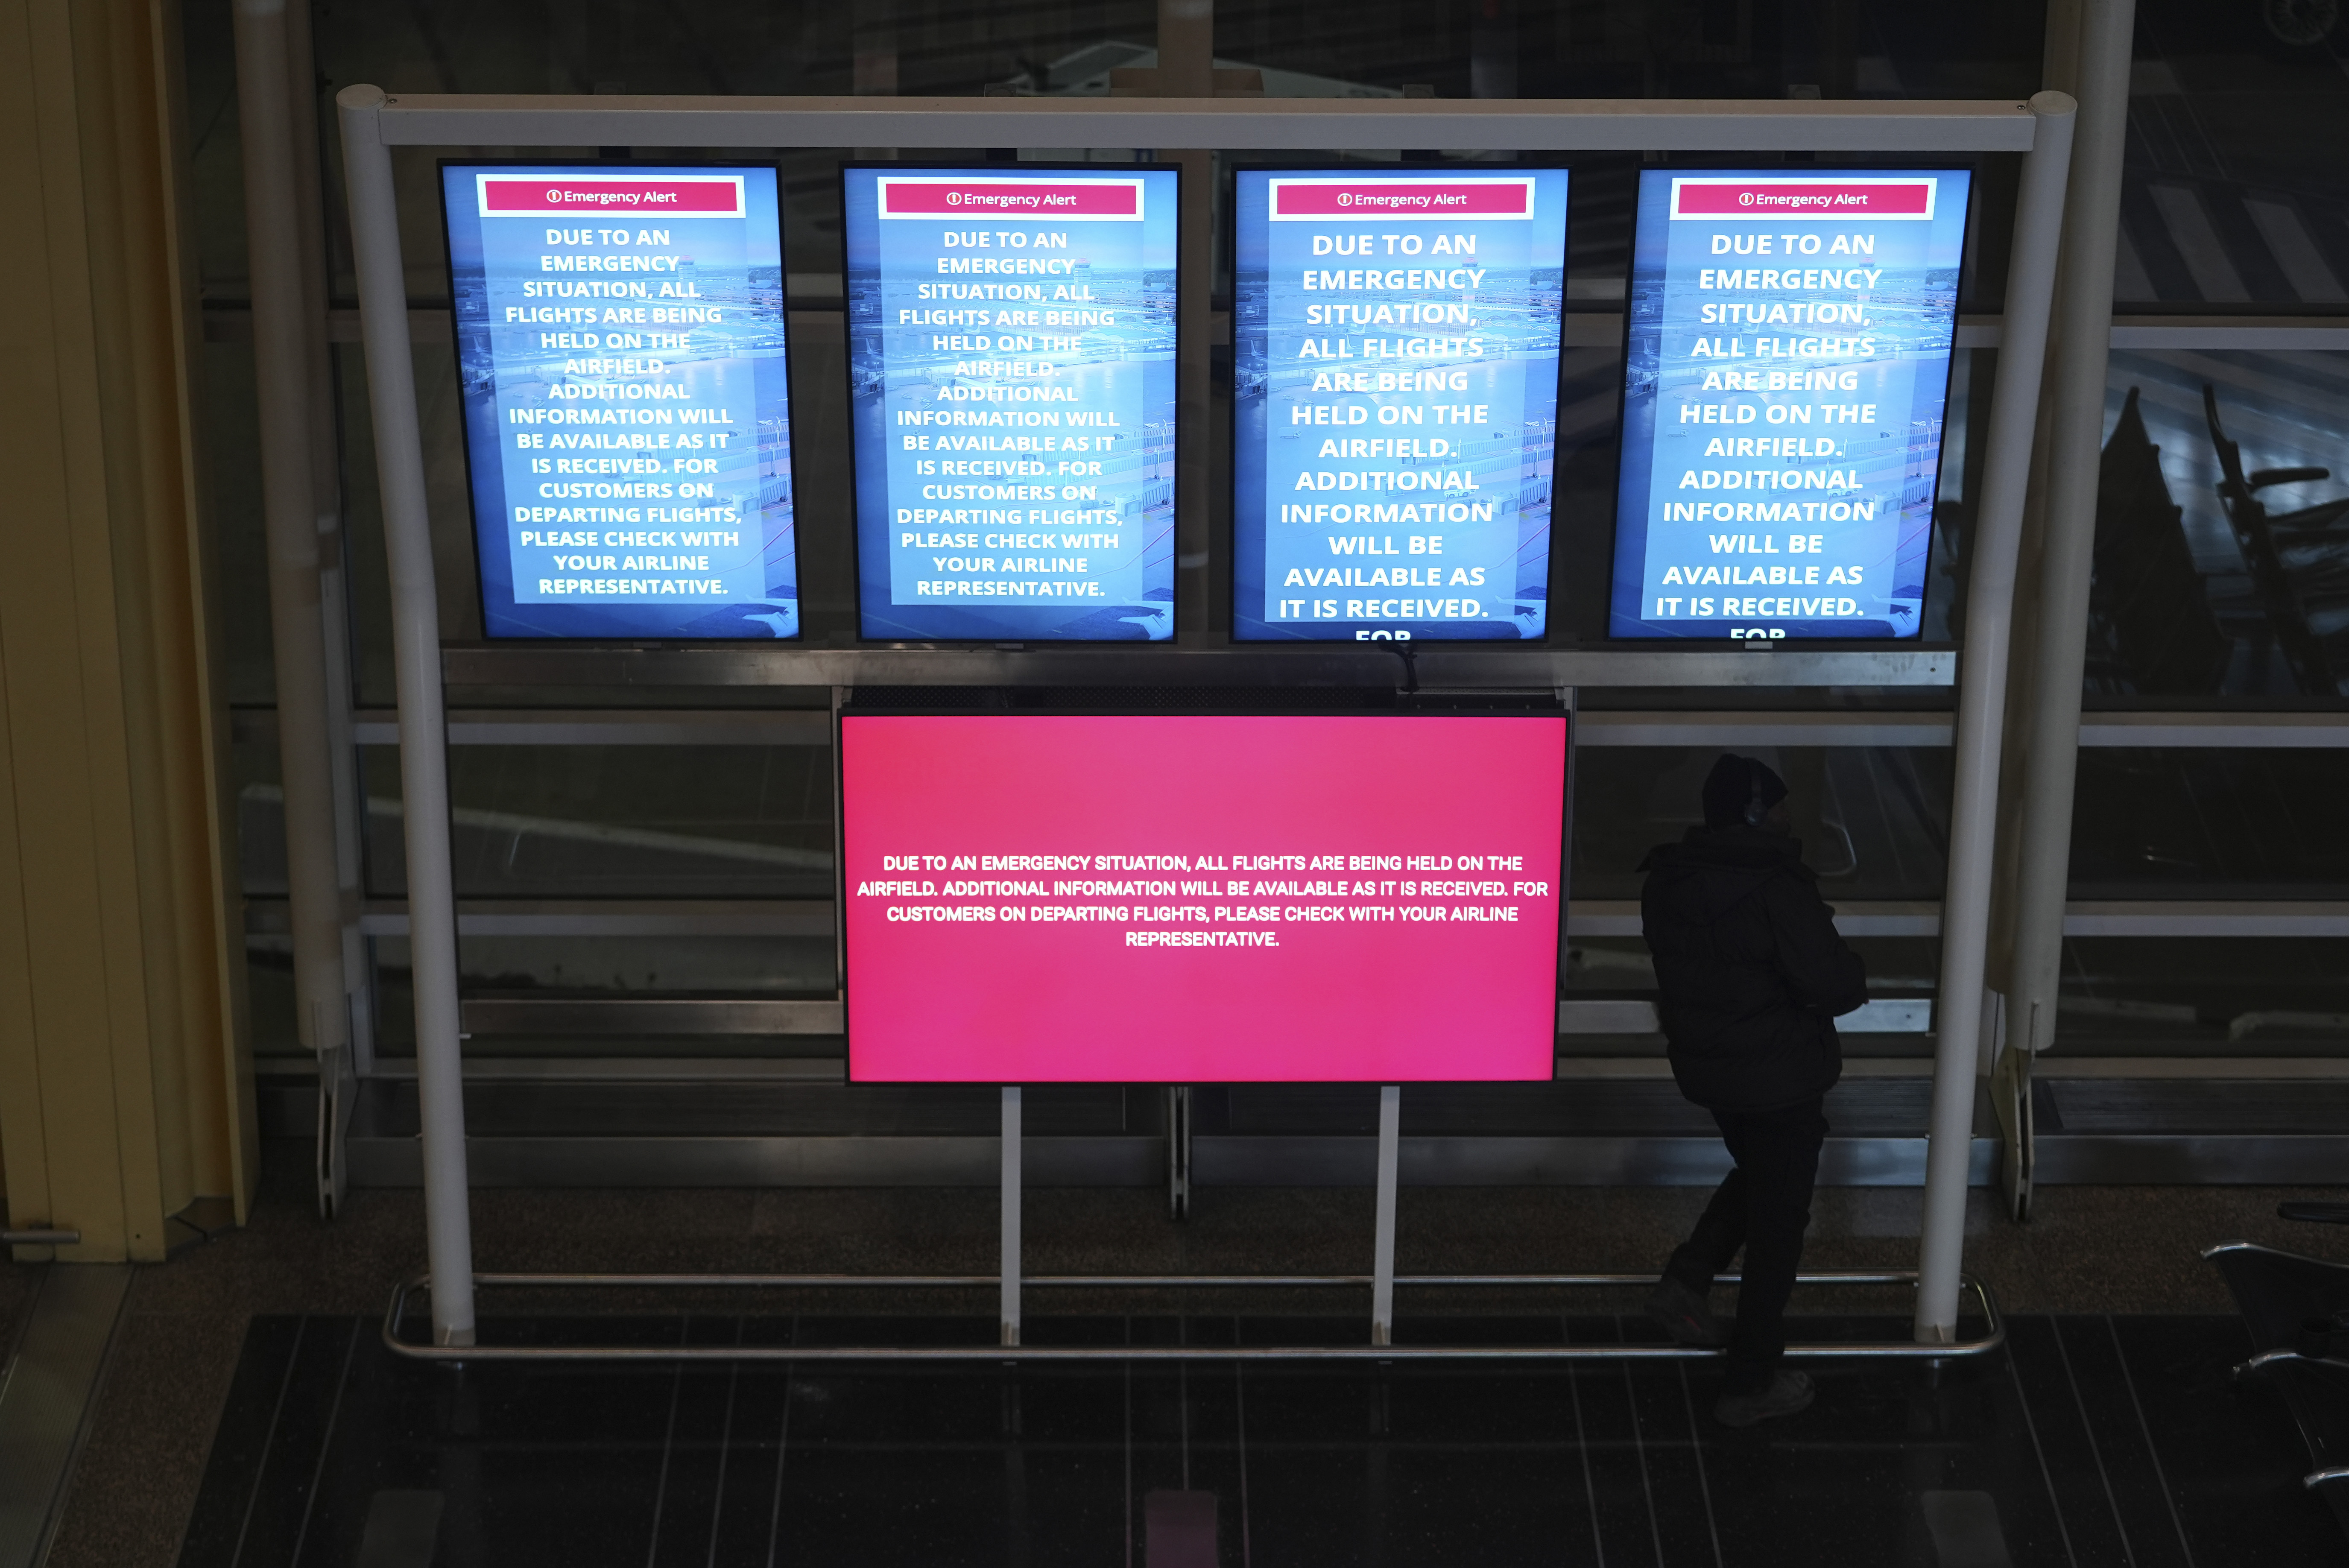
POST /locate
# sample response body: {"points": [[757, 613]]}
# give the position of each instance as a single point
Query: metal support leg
{"points": [[1382, 1248], [1989, 613], [1010, 1270], [1178, 1151], [423, 731]]}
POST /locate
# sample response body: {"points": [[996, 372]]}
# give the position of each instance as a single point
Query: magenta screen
{"points": [[1189, 899]]}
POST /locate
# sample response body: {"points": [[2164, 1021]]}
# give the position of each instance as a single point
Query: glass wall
{"points": [[2221, 590], [2223, 580]]}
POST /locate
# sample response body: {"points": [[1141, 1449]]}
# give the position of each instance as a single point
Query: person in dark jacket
{"points": [[1751, 973]]}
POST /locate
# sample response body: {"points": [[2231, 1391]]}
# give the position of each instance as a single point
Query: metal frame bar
{"points": [[1441, 666], [1571, 1063], [1926, 729], [1994, 1336], [374, 122], [1526, 125]]}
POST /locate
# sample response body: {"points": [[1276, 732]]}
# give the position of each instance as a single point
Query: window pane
{"points": [[1612, 968], [2235, 193], [2207, 586], [2264, 996], [1873, 820], [619, 821], [615, 968], [2210, 824]]}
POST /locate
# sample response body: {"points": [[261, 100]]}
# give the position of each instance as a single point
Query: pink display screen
{"points": [[1202, 899]]}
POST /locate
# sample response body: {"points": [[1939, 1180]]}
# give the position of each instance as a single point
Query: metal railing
{"points": [[1992, 1334]]}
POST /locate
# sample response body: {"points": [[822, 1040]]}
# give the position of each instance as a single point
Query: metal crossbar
{"points": [[395, 1315], [1875, 127]]}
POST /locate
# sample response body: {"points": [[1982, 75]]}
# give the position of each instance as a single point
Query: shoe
{"points": [[1787, 1393], [1682, 1313]]}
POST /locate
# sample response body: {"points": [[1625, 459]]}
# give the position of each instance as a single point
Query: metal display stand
{"points": [[374, 122]]}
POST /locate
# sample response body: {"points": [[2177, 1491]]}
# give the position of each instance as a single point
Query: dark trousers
{"points": [[1764, 1206]]}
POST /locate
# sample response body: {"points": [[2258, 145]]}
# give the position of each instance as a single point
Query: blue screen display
{"points": [[1395, 359], [626, 399], [1011, 364], [1786, 368]]}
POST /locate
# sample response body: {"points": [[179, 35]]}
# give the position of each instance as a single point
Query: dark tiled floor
{"points": [[2087, 1250], [2096, 1441]]}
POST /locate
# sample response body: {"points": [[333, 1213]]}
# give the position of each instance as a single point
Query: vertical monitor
{"points": [[1011, 364], [1786, 366], [1202, 898], [1396, 361], [626, 399]]}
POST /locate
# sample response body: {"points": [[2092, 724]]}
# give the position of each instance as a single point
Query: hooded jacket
{"points": [[1750, 966]]}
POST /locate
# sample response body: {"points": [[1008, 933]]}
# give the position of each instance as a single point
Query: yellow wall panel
{"points": [[121, 1093]]}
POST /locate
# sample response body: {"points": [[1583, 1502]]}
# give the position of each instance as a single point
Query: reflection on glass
{"points": [[647, 965], [634, 822], [2234, 194], [615, 968], [1873, 820], [2222, 527], [2262, 996], [1620, 965], [2202, 823]]}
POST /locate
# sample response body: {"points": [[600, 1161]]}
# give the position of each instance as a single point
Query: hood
{"points": [[1712, 870]]}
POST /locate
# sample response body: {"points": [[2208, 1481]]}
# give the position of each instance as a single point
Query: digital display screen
{"points": [[1394, 395], [1185, 899], [1785, 372], [1012, 362], [626, 397]]}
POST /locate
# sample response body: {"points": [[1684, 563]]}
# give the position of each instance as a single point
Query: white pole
{"points": [[326, 489], [2084, 325], [1009, 1267], [1982, 693], [423, 734], [1383, 1246], [281, 364]]}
